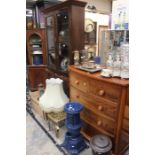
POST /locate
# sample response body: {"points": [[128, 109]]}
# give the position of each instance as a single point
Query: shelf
{"points": [[37, 65], [117, 30], [64, 23], [40, 65], [49, 26], [38, 43], [37, 53], [94, 44], [49, 51], [97, 128], [35, 49], [61, 42]]}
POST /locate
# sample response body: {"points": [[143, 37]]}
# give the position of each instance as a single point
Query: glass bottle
{"points": [[125, 68], [117, 67], [109, 63], [76, 58]]}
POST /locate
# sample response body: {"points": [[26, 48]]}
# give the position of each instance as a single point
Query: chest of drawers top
{"points": [[97, 76]]}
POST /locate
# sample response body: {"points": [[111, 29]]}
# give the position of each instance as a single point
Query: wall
{"points": [[101, 19], [103, 6], [120, 15]]}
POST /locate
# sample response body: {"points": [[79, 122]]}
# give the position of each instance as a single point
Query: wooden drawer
{"points": [[100, 123], [79, 82], [103, 108], [126, 125], [88, 131], [105, 90], [126, 114]]}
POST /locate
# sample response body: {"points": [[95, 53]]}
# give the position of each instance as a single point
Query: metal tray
{"points": [[92, 70]]}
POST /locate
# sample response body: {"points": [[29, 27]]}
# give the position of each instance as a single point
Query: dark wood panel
{"points": [[63, 5], [36, 75]]}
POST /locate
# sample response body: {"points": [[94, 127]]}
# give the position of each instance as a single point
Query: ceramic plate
{"points": [[89, 25]]}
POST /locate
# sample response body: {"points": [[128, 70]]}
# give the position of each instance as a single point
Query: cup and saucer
{"points": [[106, 72]]}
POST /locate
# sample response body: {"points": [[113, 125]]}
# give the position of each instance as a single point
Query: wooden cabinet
{"points": [[65, 33], [36, 55], [105, 103], [64, 24]]}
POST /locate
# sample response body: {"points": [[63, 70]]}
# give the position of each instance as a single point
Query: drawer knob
{"points": [[77, 82], [77, 96], [100, 108], [101, 92], [99, 123], [84, 84]]}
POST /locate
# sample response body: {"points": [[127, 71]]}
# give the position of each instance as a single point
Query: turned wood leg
{"points": [[57, 129]]}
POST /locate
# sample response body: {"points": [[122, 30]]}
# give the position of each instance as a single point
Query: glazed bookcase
{"points": [[64, 24], [36, 57]]}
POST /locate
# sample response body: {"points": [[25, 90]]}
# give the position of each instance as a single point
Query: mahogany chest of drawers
{"points": [[106, 102]]}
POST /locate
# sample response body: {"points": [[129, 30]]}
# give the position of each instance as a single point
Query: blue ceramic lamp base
{"points": [[74, 145], [73, 142]]}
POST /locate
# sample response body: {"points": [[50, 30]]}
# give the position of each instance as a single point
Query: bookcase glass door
{"points": [[63, 39], [51, 49], [36, 53]]}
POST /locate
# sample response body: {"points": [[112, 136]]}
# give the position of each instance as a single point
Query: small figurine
{"points": [[76, 58]]}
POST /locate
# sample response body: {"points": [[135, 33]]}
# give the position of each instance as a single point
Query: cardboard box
{"points": [[35, 103]]}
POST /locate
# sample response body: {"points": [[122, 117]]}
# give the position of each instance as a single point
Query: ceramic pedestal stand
{"points": [[74, 142]]}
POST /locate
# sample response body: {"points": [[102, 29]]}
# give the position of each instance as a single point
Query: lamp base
{"points": [[73, 145]]}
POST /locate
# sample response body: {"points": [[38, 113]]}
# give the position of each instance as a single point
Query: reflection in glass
{"points": [[63, 39], [51, 42]]}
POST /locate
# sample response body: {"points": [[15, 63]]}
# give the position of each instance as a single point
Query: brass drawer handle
{"points": [[101, 92], [99, 123], [100, 108], [76, 82]]}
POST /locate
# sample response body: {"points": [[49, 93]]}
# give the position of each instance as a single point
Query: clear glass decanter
{"points": [[117, 67], [125, 68], [109, 64]]}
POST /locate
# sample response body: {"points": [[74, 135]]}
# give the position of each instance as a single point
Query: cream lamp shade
{"points": [[54, 98]]}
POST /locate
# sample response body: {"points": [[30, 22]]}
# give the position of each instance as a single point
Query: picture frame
{"points": [[103, 38]]}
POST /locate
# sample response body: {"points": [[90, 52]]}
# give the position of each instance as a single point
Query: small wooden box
{"points": [[35, 103]]}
